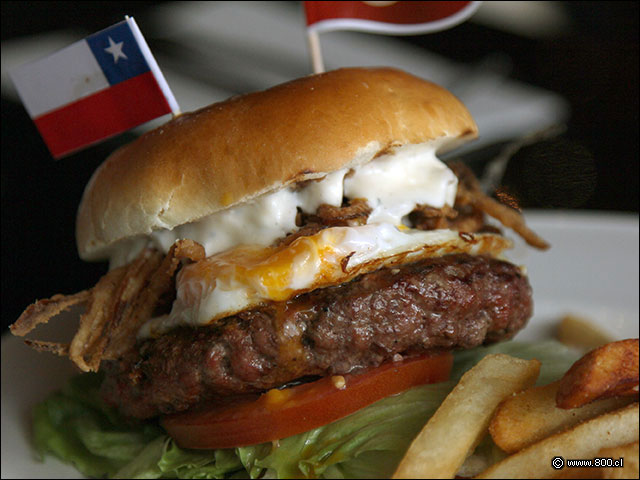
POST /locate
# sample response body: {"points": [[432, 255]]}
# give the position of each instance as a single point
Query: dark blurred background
{"points": [[591, 61]]}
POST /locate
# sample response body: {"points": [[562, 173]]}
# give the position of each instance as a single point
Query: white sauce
{"points": [[392, 184], [261, 221]]}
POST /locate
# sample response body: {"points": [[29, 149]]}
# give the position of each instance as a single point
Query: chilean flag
{"points": [[94, 89], [392, 18]]}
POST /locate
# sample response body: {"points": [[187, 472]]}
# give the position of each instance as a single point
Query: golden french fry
{"points": [[462, 420], [580, 333], [532, 415], [629, 454], [607, 371], [583, 441]]}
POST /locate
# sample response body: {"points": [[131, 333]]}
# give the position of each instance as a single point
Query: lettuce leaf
{"points": [[371, 442], [380, 434], [78, 428]]}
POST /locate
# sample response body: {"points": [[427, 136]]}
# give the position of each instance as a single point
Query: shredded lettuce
{"points": [[77, 427]]}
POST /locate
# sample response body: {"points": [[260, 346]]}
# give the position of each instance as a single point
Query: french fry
{"points": [[462, 419], [630, 468], [580, 333], [607, 371], [532, 415], [583, 441]]}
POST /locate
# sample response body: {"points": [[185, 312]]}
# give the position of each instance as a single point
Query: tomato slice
{"points": [[278, 414]]}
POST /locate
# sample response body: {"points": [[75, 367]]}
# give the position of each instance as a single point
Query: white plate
{"points": [[591, 270]]}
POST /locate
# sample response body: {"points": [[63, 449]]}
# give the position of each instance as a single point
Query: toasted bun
{"points": [[227, 153]]}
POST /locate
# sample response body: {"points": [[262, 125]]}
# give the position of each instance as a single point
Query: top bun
{"points": [[230, 152]]}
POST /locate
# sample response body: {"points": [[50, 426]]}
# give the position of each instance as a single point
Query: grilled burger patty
{"points": [[455, 301]]}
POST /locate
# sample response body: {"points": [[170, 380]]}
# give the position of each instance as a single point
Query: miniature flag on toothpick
{"points": [[390, 18], [94, 89]]}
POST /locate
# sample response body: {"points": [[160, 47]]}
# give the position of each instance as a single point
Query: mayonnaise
{"points": [[393, 184]]}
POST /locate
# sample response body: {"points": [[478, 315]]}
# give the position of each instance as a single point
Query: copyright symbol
{"points": [[557, 463]]}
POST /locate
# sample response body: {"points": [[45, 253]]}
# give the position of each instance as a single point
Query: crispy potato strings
{"points": [[43, 310], [116, 307], [470, 193], [130, 317]]}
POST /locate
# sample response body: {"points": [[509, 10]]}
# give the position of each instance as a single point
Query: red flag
{"points": [[393, 18]]}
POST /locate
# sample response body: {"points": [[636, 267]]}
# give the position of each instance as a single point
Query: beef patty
{"points": [[455, 301]]}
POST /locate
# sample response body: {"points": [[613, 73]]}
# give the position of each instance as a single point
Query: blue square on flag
{"points": [[117, 53]]}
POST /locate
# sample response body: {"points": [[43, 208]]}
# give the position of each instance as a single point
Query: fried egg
{"points": [[251, 275]]}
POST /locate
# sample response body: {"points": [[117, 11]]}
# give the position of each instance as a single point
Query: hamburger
{"points": [[285, 259]]}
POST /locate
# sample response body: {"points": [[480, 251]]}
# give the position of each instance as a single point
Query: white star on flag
{"points": [[115, 49]]}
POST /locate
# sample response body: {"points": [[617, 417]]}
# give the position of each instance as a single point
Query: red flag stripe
{"points": [[102, 115], [402, 12]]}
